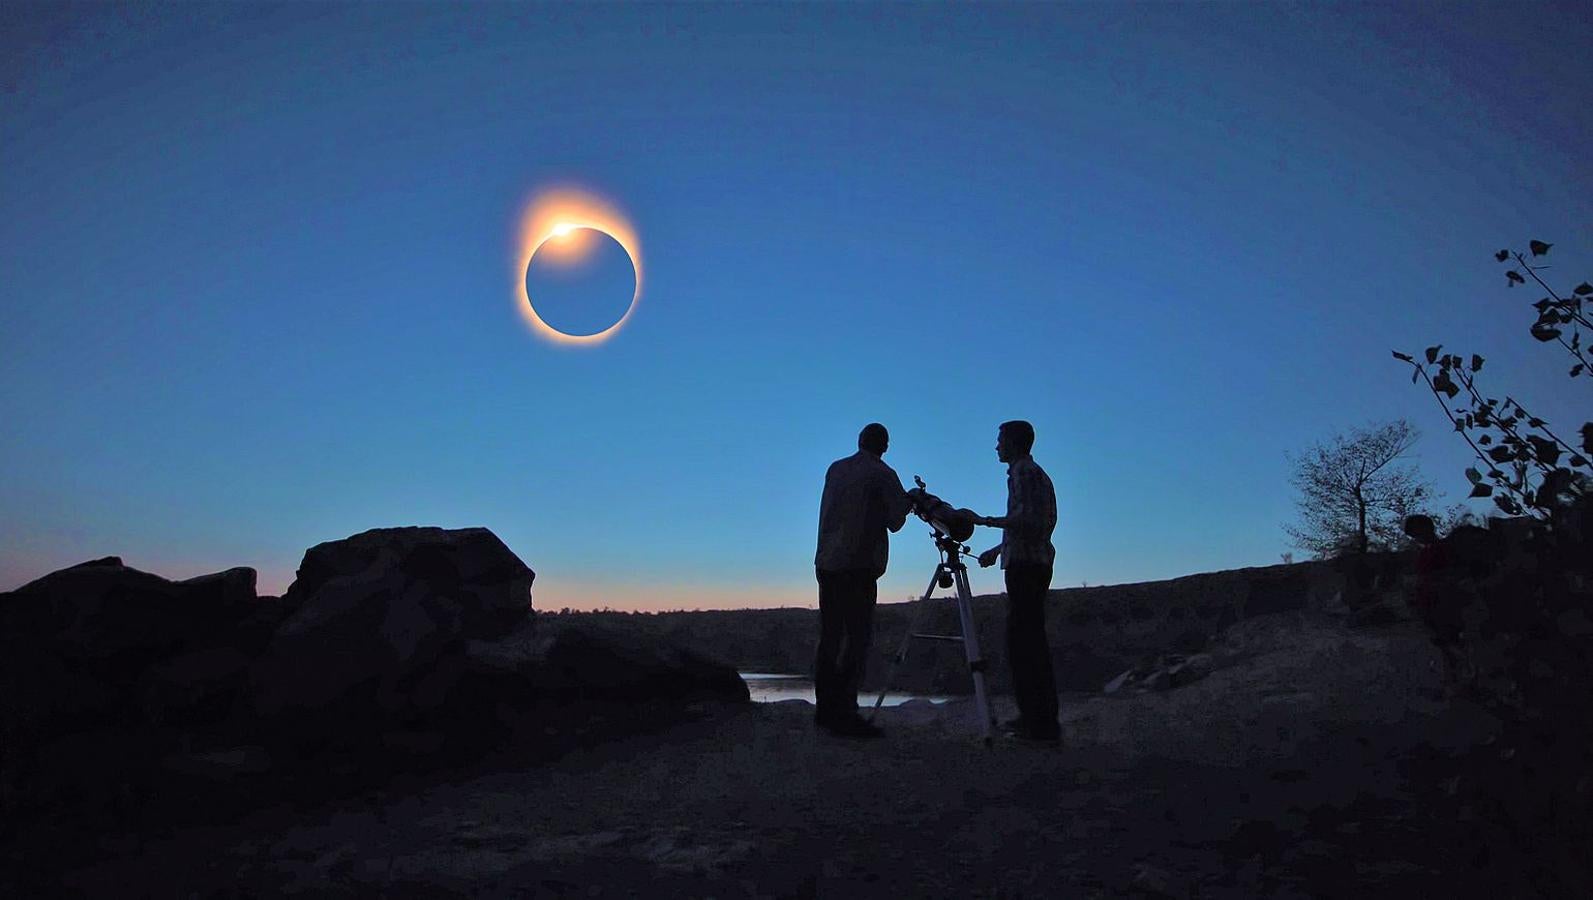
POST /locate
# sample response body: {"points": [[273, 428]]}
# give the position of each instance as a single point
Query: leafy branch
{"points": [[1554, 311], [1525, 467]]}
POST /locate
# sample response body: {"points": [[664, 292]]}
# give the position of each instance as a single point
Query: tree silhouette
{"points": [[1353, 495]]}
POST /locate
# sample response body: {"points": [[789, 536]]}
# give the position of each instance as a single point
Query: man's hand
{"points": [[989, 557]]}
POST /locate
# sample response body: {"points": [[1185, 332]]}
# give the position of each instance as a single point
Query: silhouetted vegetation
{"points": [[1353, 495], [1524, 465], [1517, 598]]}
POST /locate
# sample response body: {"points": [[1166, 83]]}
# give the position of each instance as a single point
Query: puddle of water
{"points": [[772, 687]]}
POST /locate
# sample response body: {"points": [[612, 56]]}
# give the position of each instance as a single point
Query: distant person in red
{"points": [[863, 500], [1026, 555], [1433, 597]]}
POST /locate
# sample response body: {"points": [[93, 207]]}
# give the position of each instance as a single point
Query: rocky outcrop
{"points": [[102, 610], [417, 643], [374, 618], [75, 644]]}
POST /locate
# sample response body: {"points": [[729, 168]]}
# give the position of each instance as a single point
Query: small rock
{"points": [[1149, 879], [1113, 685]]}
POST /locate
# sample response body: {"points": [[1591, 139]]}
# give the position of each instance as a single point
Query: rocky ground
{"points": [[1310, 760]]}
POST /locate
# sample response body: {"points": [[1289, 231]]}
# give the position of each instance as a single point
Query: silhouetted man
{"points": [[863, 499], [1026, 556], [1435, 596]]}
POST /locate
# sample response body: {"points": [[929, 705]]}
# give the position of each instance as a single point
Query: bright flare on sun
{"points": [[562, 213]]}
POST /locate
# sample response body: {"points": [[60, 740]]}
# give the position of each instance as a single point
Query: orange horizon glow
{"points": [[587, 596], [620, 597], [558, 214]]}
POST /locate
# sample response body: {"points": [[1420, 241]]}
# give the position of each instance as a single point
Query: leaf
{"points": [[1502, 255], [1501, 454], [1432, 353], [1473, 476], [1495, 473], [1442, 382], [1545, 332], [1481, 490], [1587, 438], [1485, 440], [1577, 460], [1403, 357], [1542, 305], [1583, 289], [1508, 504], [1414, 373], [1514, 278], [1476, 363], [1539, 248], [1547, 451], [1576, 370]]}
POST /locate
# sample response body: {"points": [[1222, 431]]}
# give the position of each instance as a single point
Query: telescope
{"points": [[952, 527], [956, 524]]}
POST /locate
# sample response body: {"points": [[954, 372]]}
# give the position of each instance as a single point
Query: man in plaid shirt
{"points": [[1026, 556]]}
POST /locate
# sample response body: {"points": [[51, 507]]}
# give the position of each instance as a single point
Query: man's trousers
{"points": [[846, 628], [1028, 651]]}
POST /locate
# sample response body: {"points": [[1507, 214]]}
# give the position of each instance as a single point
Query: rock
{"points": [[1116, 683], [373, 613], [1375, 614], [418, 743], [197, 687], [1158, 680], [1153, 881], [1190, 670], [482, 581], [1574, 623], [102, 610], [221, 765], [576, 665], [77, 645]]}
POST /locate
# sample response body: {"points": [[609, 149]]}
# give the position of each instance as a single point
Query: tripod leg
{"points": [[907, 639], [970, 643]]}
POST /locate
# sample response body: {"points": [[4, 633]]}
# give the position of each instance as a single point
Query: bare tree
{"points": [[1353, 495]]}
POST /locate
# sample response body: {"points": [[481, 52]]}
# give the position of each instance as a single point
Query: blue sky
{"points": [[256, 287]]}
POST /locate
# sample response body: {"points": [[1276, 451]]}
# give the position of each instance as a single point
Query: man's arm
{"points": [[897, 503]]}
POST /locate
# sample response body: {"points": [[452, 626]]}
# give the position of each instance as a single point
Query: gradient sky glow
{"points": [[256, 285]]}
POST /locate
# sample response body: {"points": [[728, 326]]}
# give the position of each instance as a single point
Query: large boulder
{"points": [[579, 666], [547, 672], [75, 644], [104, 647], [103, 611], [374, 617]]}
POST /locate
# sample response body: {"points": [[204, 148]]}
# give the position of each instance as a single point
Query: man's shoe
{"points": [[1051, 735], [855, 727]]}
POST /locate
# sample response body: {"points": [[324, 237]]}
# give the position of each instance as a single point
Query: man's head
{"points": [[1014, 440], [1420, 529], [874, 438]]}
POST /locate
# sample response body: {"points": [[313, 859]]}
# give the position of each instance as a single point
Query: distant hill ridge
{"points": [[1095, 632]]}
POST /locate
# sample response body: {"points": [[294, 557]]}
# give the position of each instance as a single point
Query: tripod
{"points": [[952, 571]]}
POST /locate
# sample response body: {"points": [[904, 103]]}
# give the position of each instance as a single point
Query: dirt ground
{"points": [[1296, 769]]}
